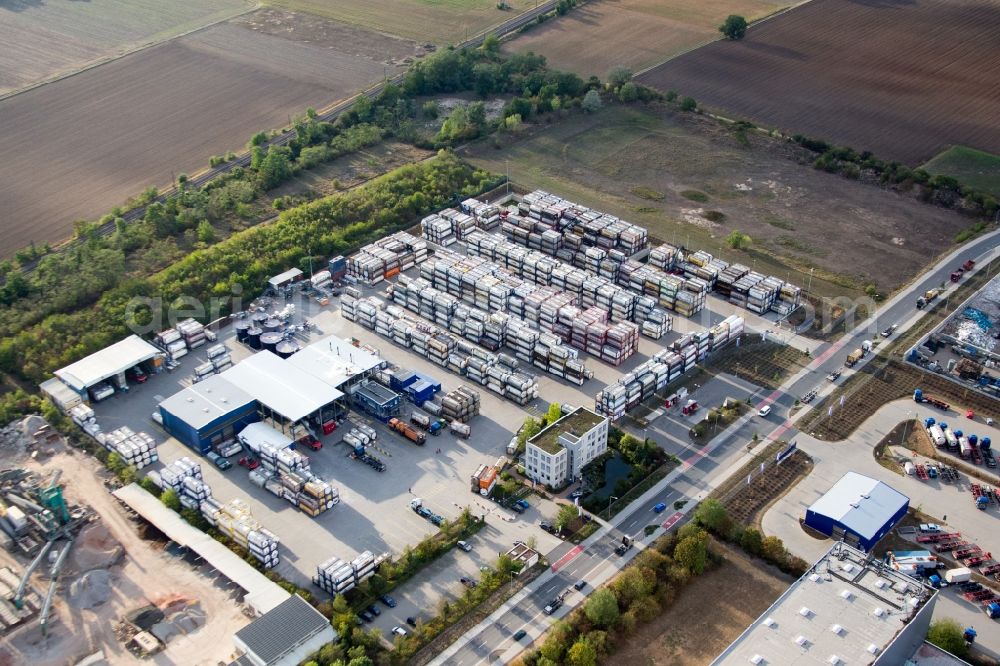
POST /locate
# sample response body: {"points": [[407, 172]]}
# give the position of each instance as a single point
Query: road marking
{"points": [[567, 558], [672, 520]]}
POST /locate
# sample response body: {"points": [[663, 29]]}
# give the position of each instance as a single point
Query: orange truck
{"points": [[408, 431]]}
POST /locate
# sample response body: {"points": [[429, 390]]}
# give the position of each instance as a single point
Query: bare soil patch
{"points": [[632, 33], [902, 78], [740, 589], [80, 146], [799, 218], [43, 40]]}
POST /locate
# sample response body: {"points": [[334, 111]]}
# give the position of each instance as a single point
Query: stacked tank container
{"points": [[337, 267], [135, 448], [192, 332], [172, 341], [387, 257], [235, 520], [285, 473], [487, 216], [460, 404]]}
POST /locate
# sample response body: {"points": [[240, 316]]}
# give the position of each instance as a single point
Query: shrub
{"points": [[689, 104]]}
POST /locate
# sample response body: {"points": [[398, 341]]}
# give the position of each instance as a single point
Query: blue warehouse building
{"points": [[857, 510], [208, 413]]}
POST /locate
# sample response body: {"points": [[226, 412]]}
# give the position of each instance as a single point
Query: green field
{"points": [[437, 21], [975, 168]]}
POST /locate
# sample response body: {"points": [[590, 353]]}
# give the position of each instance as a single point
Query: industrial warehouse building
{"points": [[558, 454], [847, 609], [307, 390], [74, 383], [208, 413], [858, 510], [284, 636]]}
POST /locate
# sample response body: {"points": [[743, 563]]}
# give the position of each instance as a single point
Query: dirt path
{"points": [[685, 635], [143, 574]]}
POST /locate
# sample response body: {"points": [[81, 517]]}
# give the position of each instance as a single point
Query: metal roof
{"points": [[334, 360], [107, 362], [212, 398], [262, 594], [281, 386], [846, 606], [860, 503], [282, 278], [290, 624]]}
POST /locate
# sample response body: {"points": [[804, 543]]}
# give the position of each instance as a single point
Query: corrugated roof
{"points": [[290, 624], [860, 503], [282, 278], [106, 363], [334, 360], [201, 403], [280, 386]]}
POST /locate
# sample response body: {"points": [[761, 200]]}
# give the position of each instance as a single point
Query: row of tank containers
{"points": [[484, 480], [182, 338], [266, 330], [438, 346], [233, 519], [334, 576], [666, 366], [967, 446], [285, 472], [386, 258], [135, 448]]}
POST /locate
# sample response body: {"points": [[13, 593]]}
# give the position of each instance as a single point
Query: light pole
{"points": [[610, 502], [809, 286]]}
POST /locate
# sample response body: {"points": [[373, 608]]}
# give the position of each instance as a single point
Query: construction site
{"points": [[81, 582]]}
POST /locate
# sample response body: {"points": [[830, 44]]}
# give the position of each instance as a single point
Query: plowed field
{"points": [[902, 78], [75, 148]]}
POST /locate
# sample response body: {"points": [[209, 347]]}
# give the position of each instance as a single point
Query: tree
{"points": [[618, 76], [491, 44], [947, 634], [634, 583], [567, 514], [692, 553], [712, 515], [689, 104], [115, 463], [734, 27], [206, 232], [738, 240], [554, 413], [581, 654], [602, 608], [591, 101], [128, 475], [276, 167], [558, 640], [171, 500], [773, 549], [477, 115], [628, 92], [431, 109], [752, 541]]}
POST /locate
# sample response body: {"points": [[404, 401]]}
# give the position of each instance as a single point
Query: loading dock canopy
{"points": [[334, 360], [280, 386], [287, 277], [107, 363]]}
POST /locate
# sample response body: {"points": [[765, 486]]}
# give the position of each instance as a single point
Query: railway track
{"points": [[329, 114]]}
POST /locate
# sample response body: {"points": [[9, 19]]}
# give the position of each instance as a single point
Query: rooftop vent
{"points": [[881, 584], [846, 595], [805, 612], [847, 566], [801, 640], [878, 612], [834, 659], [190, 399], [837, 629], [814, 578]]}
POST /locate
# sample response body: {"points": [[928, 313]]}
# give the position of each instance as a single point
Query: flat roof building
{"points": [[284, 636], [857, 509], [558, 454], [336, 362], [847, 609], [208, 413]]}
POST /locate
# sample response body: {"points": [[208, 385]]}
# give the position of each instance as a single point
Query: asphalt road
{"points": [[492, 642]]}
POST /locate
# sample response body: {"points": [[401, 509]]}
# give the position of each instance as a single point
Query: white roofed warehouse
{"points": [[103, 370], [858, 510]]}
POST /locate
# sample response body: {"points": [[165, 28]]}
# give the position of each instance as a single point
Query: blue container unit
{"points": [[337, 267], [400, 379], [435, 384], [377, 400], [419, 392]]}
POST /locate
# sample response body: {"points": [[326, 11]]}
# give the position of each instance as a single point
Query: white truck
{"points": [[937, 435], [460, 429], [960, 575]]}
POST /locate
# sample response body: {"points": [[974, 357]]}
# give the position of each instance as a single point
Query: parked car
{"points": [[580, 584], [222, 463], [545, 526], [890, 330], [660, 508], [576, 493], [412, 621], [399, 631], [310, 442], [928, 528], [518, 508], [366, 616], [464, 545], [764, 411], [468, 582], [387, 600], [523, 503], [519, 634], [566, 408], [373, 609], [137, 375]]}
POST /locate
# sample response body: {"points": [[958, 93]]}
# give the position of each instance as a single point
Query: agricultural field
{"points": [[692, 180], [165, 110], [904, 79], [43, 40], [436, 21], [602, 34], [971, 167]]}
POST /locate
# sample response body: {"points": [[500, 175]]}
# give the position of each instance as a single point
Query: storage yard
{"points": [[799, 72]]}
